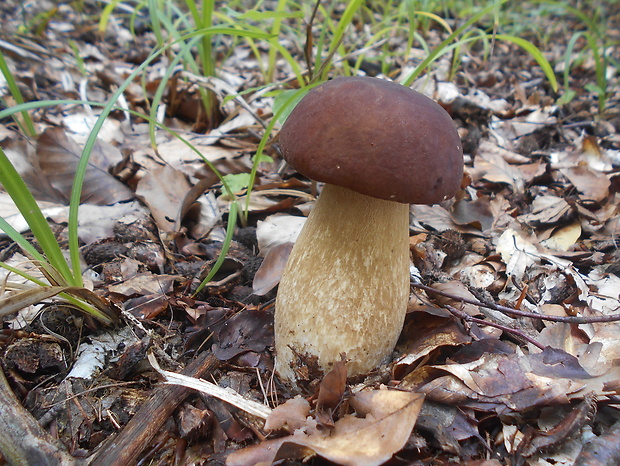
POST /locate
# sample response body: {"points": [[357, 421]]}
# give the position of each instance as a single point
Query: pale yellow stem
{"points": [[346, 285]]}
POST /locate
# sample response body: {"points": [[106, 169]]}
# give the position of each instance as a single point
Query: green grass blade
{"points": [[275, 31], [78, 182], [230, 230], [22, 274], [29, 129], [20, 239], [105, 15], [440, 49], [536, 55], [337, 40], [28, 207], [157, 97], [154, 13]]}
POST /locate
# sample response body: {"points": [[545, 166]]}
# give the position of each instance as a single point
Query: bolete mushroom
{"points": [[378, 146]]}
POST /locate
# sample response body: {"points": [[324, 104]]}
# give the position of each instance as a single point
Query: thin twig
{"points": [[129, 443], [518, 333], [516, 312]]}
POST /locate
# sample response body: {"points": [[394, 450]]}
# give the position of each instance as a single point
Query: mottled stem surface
{"points": [[346, 284]]}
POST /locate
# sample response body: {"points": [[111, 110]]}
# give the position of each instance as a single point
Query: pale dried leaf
{"points": [[93, 355], [436, 217], [14, 301], [457, 289], [534, 121], [144, 284], [80, 126], [97, 222], [278, 229], [24, 158], [517, 253], [563, 238], [372, 440], [490, 163], [10, 212]]}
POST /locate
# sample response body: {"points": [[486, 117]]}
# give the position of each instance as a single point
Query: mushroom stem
{"points": [[345, 287]]}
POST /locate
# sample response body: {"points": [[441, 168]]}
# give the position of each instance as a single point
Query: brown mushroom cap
{"points": [[375, 137]]}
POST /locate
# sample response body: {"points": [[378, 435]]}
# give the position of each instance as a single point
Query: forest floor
{"points": [[510, 349]]}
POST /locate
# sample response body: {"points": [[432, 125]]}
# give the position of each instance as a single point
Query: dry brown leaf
{"points": [[372, 440], [607, 298], [546, 210], [439, 219], [592, 184], [458, 289], [533, 121], [386, 420], [476, 213], [163, 190], [25, 160], [425, 333], [448, 425], [177, 153], [269, 273], [291, 415], [331, 393], [434, 216], [98, 222], [143, 284], [59, 156], [250, 330], [513, 382], [558, 434], [10, 212], [597, 158], [492, 165]]}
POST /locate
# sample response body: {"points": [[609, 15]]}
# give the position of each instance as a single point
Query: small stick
{"points": [[518, 333], [22, 439], [126, 447], [515, 312]]}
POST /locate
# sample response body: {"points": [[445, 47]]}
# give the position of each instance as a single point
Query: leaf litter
{"points": [[515, 362]]}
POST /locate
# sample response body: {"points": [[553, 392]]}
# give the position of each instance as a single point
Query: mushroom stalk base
{"points": [[345, 287]]}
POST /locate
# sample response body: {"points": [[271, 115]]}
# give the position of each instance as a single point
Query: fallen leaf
{"points": [[278, 229], [447, 424], [546, 210], [250, 330], [291, 415], [563, 238], [331, 393], [517, 253], [491, 164], [593, 185], [59, 156], [425, 333], [269, 273], [381, 427], [389, 417], [163, 190]]}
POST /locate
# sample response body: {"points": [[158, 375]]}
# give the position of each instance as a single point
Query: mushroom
{"points": [[378, 146]]}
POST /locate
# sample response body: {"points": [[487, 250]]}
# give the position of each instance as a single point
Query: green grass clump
{"points": [[328, 39]]}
